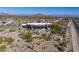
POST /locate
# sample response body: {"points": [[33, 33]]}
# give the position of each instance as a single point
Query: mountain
{"points": [[39, 15], [4, 14]]}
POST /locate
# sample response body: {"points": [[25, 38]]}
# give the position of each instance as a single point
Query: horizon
{"points": [[56, 11]]}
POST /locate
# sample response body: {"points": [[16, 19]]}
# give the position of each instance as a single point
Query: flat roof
{"points": [[37, 24]]}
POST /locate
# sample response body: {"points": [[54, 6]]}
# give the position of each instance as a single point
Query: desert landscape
{"points": [[14, 37], [38, 32]]}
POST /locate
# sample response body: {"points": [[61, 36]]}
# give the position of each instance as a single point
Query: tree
{"points": [[55, 29]]}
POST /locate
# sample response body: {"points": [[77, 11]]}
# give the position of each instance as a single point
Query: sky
{"points": [[41, 10]]}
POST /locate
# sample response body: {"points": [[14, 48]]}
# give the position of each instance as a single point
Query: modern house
{"points": [[37, 25]]}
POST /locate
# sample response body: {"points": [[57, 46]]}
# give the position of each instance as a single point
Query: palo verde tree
{"points": [[55, 29]]}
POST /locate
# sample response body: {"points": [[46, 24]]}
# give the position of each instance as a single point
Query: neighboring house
{"points": [[37, 25], [7, 21]]}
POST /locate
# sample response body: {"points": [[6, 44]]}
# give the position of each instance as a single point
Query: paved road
{"points": [[75, 37]]}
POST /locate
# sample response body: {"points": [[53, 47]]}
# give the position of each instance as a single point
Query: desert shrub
{"points": [[9, 40], [27, 36], [12, 30], [46, 37], [63, 44], [2, 47], [59, 47], [1, 40], [55, 29]]}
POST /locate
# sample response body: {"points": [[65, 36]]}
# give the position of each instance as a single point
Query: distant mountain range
{"points": [[39, 14], [4, 14]]}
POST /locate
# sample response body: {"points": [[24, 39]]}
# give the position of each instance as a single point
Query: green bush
{"points": [[3, 47], [27, 36], [1, 40], [9, 40], [55, 29]]}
